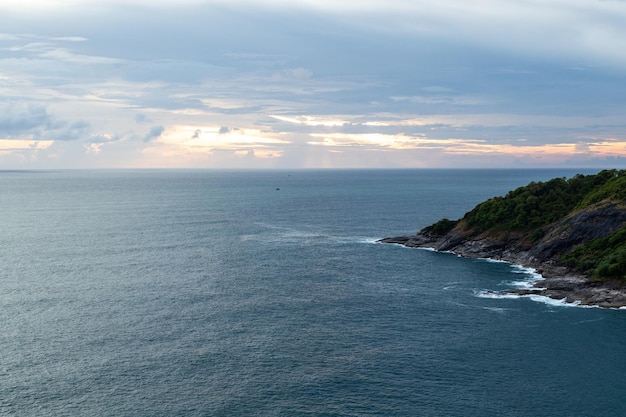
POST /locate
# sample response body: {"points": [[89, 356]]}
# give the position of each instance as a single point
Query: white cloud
{"points": [[20, 144], [208, 138], [312, 120], [296, 81]]}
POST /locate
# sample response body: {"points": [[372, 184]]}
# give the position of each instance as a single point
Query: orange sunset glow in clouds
{"points": [[304, 84]]}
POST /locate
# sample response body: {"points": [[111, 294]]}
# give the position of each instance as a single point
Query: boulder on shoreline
{"points": [[558, 282]]}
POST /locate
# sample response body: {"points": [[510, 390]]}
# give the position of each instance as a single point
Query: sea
{"points": [[264, 293]]}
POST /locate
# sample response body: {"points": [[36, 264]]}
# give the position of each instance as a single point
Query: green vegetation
{"points": [[440, 228], [613, 189], [540, 203], [601, 258], [530, 212]]}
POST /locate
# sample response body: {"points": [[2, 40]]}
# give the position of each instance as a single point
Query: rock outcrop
{"points": [[544, 254]]}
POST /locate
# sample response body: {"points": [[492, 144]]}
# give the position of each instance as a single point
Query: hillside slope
{"points": [[565, 228]]}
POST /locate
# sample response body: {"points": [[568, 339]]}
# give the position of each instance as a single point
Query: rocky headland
{"points": [[578, 247]]}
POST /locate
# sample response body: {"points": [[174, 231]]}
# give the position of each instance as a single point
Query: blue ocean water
{"points": [[237, 293]]}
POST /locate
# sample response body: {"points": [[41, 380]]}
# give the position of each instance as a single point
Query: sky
{"points": [[312, 84]]}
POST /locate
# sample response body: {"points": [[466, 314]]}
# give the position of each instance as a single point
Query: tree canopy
{"points": [[530, 210], [541, 203]]}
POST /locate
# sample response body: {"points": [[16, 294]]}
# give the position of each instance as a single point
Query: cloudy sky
{"points": [[312, 83]]}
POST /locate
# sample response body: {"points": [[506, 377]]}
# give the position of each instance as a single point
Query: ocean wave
{"points": [[497, 295], [368, 240], [431, 250], [519, 269], [555, 302], [495, 261]]}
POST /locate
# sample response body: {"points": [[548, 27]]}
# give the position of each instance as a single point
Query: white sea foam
{"points": [[553, 301], [563, 302], [531, 278], [495, 295], [368, 240], [428, 249], [529, 284], [519, 269], [495, 261], [411, 247]]}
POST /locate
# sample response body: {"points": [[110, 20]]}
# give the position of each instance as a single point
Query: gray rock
{"points": [[560, 282]]}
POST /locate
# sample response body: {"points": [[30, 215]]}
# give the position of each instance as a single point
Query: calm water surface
{"points": [[208, 293]]}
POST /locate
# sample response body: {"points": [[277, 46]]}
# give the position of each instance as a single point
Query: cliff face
{"points": [[544, 254], [583, 226], [571, 252]]}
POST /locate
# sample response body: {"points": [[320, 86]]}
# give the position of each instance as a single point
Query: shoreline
{"points": [[555, 281]]}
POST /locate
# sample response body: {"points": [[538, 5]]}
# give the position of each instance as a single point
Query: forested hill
{"points": [[578, 222]]}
